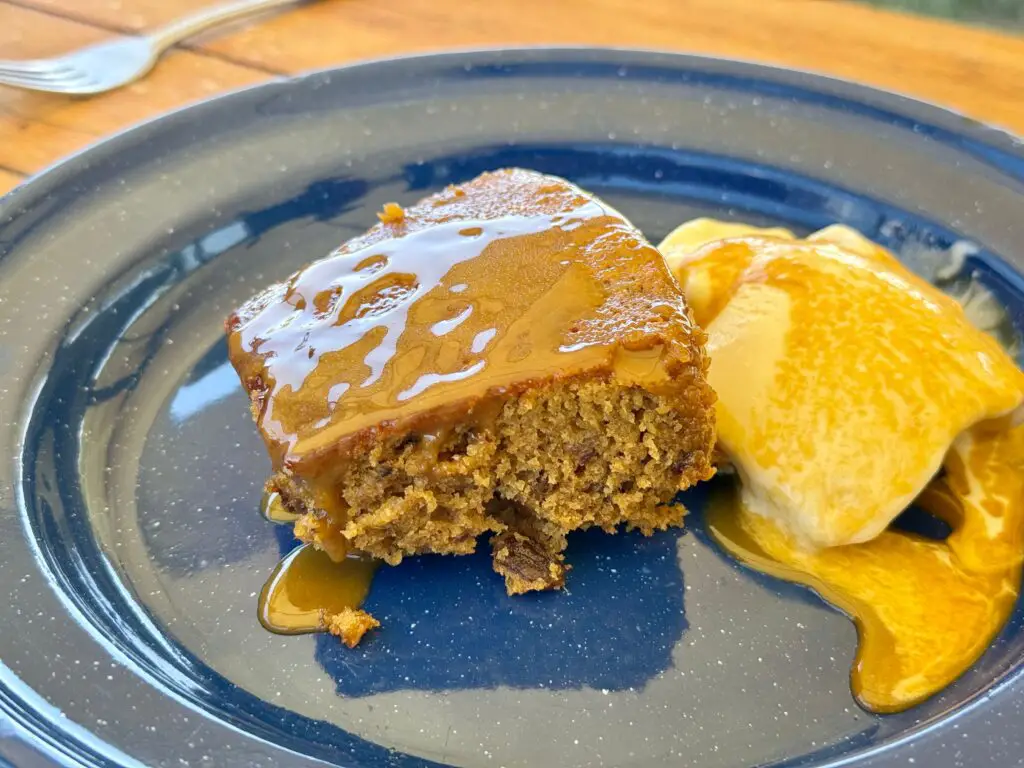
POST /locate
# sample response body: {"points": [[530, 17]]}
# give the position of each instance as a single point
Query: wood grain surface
{"points": [[976, 71], [8, 181]]}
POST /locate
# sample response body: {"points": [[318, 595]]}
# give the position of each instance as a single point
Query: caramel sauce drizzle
{"points": [[925, 610], [472, 295], [415, 323], [307, 586]]}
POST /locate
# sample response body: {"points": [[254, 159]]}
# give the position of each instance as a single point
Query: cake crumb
{"points": [[391, 214], [526, 566], [350, 625]]}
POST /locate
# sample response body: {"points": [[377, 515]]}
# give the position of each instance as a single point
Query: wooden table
{"points": [[976, 71]]}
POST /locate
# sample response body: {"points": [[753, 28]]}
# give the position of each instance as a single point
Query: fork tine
{"points": [[68, 91], [65, 76], [32, 66], [19, 81], [54, 86], [42, 77]]}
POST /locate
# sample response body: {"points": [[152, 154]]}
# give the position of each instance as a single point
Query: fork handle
{"points": [[192, 25]]}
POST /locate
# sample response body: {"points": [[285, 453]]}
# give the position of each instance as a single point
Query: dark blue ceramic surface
{"points": [[131, 550]]}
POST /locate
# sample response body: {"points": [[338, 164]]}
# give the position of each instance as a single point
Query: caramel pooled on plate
{"points": [[925, 610]]}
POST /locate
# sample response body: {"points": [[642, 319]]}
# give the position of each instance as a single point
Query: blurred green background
{"points": [[989, 12]]}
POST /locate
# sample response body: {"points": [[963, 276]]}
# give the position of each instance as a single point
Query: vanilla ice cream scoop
{"points": [[843, 379]]}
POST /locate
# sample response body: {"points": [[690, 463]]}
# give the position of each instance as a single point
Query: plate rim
{"points": [[21, 199], [922, 110]]}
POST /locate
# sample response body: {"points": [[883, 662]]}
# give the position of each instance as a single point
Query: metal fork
{"points": [[110, 65]]}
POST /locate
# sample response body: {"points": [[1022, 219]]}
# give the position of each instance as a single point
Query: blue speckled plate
{"points": [[131, 550]]}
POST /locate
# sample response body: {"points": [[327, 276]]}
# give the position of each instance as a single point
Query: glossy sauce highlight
{"points": [[925, 610], [470, 296], [307, 587]]}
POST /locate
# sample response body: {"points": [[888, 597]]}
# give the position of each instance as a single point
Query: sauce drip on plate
{"points": [[925, 610], [307, 587]]}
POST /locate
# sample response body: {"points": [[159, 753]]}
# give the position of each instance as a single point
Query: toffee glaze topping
{"points": [[447, 306]]}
